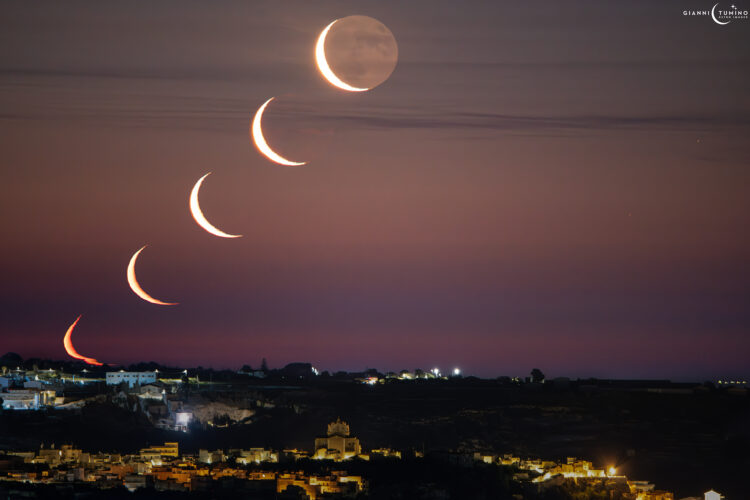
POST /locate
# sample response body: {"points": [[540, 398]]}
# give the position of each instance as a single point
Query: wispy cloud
{"points": [[422, 118], [107, 97]]}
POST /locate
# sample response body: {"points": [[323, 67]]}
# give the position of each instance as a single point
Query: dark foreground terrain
{"points": [[685, 441]]}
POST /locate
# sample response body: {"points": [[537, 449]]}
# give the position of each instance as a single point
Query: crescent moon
{"points": [[68, 343], [262, 145], [713, 16], [320, 57], [133, 282], [195, 209]]}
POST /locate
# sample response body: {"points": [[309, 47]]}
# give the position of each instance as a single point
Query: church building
{"points": [[337, 445]]}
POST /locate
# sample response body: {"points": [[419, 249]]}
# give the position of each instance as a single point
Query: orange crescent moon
{"points": [[136, 287], [68, 343]]}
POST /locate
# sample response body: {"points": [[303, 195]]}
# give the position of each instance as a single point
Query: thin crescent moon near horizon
{"points": [[197, 213], [325, 69], [713, 16], [133, 282], [68, 343], [260, 142]]}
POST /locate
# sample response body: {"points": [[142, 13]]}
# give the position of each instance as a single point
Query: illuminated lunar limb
{"points": [[256, 131], [136, 287], [325, 69], [356, 53], [195, 210]]}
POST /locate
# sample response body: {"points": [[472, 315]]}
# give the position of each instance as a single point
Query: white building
{"points": [[182, 420], [27, 399], [130, 378]]}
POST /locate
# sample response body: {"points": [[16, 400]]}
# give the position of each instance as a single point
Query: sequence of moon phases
{"points": [[195, 210], [356, 53], [256, 132], [68, 343], [136, 287]]}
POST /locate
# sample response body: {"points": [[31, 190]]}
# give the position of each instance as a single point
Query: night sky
{"points": [[562, 185]]}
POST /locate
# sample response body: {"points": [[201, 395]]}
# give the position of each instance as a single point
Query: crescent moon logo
{"points": [[133, 282], [195, 209], [320, 57], [68, 343], [262, 145], [713, 16]]}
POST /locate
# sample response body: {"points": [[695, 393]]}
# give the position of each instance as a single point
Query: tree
{"points": [[264, 365], [537, 376], [11, 358]]}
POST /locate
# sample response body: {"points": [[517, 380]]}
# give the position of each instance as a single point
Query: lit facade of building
{"points": [[130, 378], [655, 495], [170, 450], [337, 445], [315, 486], [211, 457], [385, 453], [256, 455], [27, 399]]}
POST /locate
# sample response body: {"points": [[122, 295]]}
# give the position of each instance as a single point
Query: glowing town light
{"points": [[456, 372], [436, 372], [612, 471], [182, 418]]}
